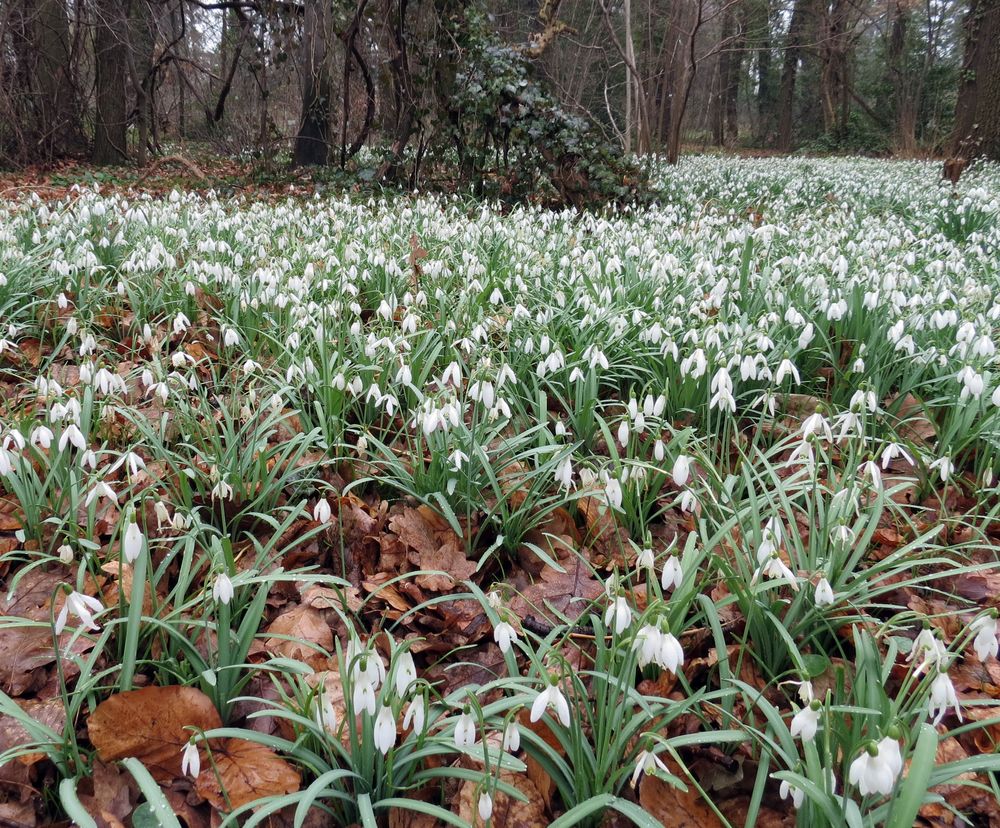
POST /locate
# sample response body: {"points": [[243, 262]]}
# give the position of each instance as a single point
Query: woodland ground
{"points": [[336, 509]]}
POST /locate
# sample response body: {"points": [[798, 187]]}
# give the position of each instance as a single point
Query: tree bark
{"points": [[312, 144], [977, 116], [789, 71], [110, 57]]}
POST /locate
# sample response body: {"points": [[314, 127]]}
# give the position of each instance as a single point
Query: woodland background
{"points": [[500, 89]]}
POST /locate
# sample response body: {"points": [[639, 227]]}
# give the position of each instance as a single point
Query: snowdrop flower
{"points": [[504, 635], [876, 769], [322, 513], [688, 501], [645, 559], [416, 713], [618, 615], [325, 715], [613, 493], [385, 730], [824, 596], [671, 655], [929, 649], [564, 474], [100, 490], [892, 451], [406, 673], [132, 541], [191, 760], [465, 731], [647, 762], [942, 697], [797, 794], [805, 723], [222, 590], [673, 574], [623, 433], [647, 643], [83, 607], [681, 471], [786, 368], [41, 436], [72, 435], [512, 737], [776, 569], [552, 697], [985, 643], [485, 806], [944, 467]]}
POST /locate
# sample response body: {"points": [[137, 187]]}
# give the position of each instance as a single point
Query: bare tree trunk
{"points": [[110, 56], [58, 125], [789, 71], [977, 117], [312, 144]]}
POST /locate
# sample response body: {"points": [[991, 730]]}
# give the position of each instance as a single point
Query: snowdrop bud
{"points": [[824, 593], [322, 511], [681, 471], [222, 591], [132, 542], [485, 806], [191, 760]]}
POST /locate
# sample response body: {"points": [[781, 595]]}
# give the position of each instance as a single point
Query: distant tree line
{"points": [[501, 87]]}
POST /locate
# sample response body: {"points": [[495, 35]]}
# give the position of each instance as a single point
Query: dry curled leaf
{"points": [[151, 724], [246, 771]]}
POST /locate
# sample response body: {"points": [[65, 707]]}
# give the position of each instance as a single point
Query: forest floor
{"points": [[344, 510]]}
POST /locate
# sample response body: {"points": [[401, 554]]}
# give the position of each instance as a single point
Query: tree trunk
{"points": [[977, 116], [312, 144], [58, 124], [789, 71], [110, 57]]}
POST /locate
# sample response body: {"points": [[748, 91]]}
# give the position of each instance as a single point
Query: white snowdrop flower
{"points": [[384, 732], [689, 502], [512, 737], [191, 760], [930, 651], [806, 337], [805, 723], [646, 763], [647, 644], [65, 553], [797, 794], [673, 574], [943, 696], [322, 513], [406, 673], [645, 559], [132, 542], [824, 596], [504, 635], [230, 337], [41, 436], [985, 643], [618, 615], [416, 714], [875, 771], [465, 731], [944, 468], [892, 451], [564, 473], [671, 656], [485, 806], [623, 433], [181, 323], [681, 470], [101, 490], [613, 493], [552, 697], [786, 368], [222, 589], [659, 451], [72, 435], [83, 607]]}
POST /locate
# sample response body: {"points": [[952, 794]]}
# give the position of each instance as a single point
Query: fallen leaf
{"points": [[674, 807], [300, 628], [151, 725], [246, 771]]}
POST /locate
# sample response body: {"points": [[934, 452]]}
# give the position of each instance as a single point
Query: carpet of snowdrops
{"points": [[418, 510]]}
